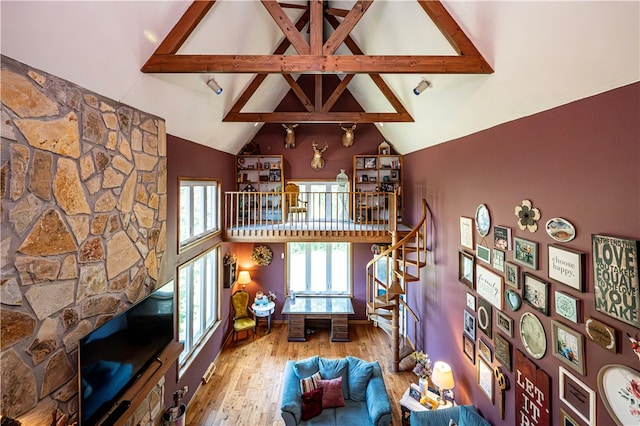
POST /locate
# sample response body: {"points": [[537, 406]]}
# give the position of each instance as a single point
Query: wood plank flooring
{"points": [[246, 388]]}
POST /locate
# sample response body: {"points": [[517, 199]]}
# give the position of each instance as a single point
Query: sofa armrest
{"points": [[435, 417], [291, 407], [378, 403]]}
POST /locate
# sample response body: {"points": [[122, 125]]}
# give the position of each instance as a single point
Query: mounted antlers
{"points": [[317, 162], [290, 137], [348, 138]]}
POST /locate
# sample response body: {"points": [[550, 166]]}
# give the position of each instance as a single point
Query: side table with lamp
{"points": [[414, 399], [263, 308]]}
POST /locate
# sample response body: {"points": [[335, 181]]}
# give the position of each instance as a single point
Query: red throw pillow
{"points": [[311, 403], [331, 393]]}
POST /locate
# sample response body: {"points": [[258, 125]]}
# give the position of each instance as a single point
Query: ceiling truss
{"points": [[317, 57]]}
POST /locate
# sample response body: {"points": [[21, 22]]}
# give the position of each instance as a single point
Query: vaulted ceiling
{"points": [[543, 54]]}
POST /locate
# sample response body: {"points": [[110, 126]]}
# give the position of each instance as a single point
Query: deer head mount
{"points": [[317, 162], [347, 138], [290, 136]]}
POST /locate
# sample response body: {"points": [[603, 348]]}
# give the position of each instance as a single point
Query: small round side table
{"points": [[263, 311]]}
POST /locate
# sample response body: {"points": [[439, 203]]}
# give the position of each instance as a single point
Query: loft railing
{"points": [[342, 215]]}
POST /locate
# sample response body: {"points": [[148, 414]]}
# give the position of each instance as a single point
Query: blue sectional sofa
{"points": [[462, 415], [365, 395]]}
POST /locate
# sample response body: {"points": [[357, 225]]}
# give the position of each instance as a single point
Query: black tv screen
{"points": [[111, 357]]}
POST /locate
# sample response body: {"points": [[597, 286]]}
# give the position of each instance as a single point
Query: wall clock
{"points": [[533, 335], [483, 220]]}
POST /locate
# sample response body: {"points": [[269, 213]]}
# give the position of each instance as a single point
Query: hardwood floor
{"points": [[246, 388]]}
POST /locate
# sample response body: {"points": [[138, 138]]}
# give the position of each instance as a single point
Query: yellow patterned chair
{"points": [[243, 317]]}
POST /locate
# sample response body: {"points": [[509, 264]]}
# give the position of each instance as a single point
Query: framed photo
{"points": [[489, 285], [577, 396], [535, 292], [483, 253], [415, 393], [470, 324], [619, 255], [394, 175], [617, 386], [502, 238], [364, 178], [566, 420], [485, 316], [504, 323], [469, 348], [485, 351], [466, 232], [483, 220], [370, 163], [502, 349], [602, 334], [359, 163], [471, 301], [512, 274], [525, 252], [485, 378], [567, 306], [566, 266], [533, 335], [568, 345], [466, 268], [373, 179], [498, 260]]}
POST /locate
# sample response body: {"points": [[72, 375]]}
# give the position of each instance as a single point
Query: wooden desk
{"points": [[335, 309]]}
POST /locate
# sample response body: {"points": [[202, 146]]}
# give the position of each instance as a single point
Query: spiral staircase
{"points": [[388, 275]]}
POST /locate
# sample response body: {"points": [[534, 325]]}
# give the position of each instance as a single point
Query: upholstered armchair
{"points": [[243, 317], [293, 204]]}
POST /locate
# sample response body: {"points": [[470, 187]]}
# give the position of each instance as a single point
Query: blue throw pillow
{"points": [[469, 416], [359, 374], [306, 367], [334, 368]]}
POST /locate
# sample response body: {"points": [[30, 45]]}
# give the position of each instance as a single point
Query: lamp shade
{"points": [[442, 375], [244, 277]]}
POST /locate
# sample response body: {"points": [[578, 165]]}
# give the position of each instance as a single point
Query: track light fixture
{"points": [[213, 85], [421, 87]]}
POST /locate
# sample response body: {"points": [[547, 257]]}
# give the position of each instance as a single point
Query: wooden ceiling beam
{"points": [[342, 86], [316, 36], [344, 29], [286, 26], [311, 64], [318, 117], [308, 105]]}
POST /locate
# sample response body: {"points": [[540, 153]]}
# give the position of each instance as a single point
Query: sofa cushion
{"points": [[469, 416], [333, 368], [310, 383], [354, 413], [359, 374], [332, 395], [306, 367], [311, 403]]}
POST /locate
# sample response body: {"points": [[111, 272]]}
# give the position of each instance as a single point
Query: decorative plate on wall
{"points": [[619, 388], [560, 229], [483, 220], [533, 335]]}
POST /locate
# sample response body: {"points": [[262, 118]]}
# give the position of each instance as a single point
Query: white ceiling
{"points": [[544, 53]]}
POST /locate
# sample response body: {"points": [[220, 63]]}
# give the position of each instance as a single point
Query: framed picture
{"points": [[466, 232], [394, 175], [471, 301], [613, 258], [535, 292], [618, 387], [577, 396], [498, 260], [373, 179], [567, 306], [483, 220], [470, 324], [533, 335], [502, 349], [370, 163], [504, 323], [485, 351], [485, 378], [485, 316], [483, 253], [525, 252], [566, 266], [415, 393], [489, 285], [466, 268], [502, 238], [359, 163], [566, 420], [568, 345], [512, 274], [364, 178], [469, 348], [602, 334]]}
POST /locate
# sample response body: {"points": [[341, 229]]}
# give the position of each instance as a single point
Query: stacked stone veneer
{"points": [[83, 182]]}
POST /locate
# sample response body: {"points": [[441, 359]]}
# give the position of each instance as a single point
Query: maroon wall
{"points": [[581, 162], [188, 159]]}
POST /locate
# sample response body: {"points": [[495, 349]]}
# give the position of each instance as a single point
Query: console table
{"points": [[335, 309]]}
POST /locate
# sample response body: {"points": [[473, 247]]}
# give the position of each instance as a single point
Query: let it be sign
{"points": [[533, 393]]}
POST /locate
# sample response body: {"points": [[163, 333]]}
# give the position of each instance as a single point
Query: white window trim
{"points": [[208, 233], [348, 293]]}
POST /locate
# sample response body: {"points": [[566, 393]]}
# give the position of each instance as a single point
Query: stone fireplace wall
{"points": [[83, 185]]}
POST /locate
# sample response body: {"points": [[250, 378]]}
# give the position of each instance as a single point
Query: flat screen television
{"points": [[114, 355]]}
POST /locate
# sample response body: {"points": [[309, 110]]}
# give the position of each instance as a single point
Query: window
{"points": [[328, 201], [199, 210], [198, 299], [319, 268]]}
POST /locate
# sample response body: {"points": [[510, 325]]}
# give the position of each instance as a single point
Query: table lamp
{"points": [[244, 278], [442, 377]]}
